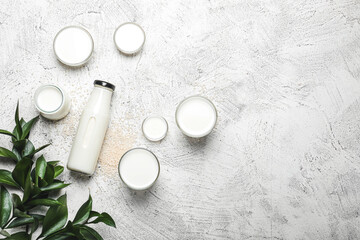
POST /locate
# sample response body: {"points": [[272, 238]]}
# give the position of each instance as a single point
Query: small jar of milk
{"points": [[52, 102]]}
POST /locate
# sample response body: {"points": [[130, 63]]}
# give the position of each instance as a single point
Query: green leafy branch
{"points": [[37, 180]]}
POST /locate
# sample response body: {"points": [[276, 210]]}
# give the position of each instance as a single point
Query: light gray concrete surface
{"points": [[283, 161]]}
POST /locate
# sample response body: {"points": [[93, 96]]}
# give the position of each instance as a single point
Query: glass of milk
{"points": [[73, 46], [52, 102], [129, 38], [196, 116], [154, 128], [139, 169]]}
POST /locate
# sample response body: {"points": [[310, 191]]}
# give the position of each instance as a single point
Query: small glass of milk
{"points": [[196, 116], [154, 128], [73, 46], [129, 38], [139, 169], [52, 102]]}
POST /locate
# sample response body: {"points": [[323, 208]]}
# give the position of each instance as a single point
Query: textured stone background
{"points": [[283, 161]]}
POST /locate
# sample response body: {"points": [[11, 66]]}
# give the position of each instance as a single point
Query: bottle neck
{"points": [[100, 98]]}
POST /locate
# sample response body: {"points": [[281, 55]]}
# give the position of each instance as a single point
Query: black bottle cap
{"points": [[104, 84]]}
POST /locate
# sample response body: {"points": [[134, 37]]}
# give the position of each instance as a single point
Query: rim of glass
{"points": [[155, 139], [78, 63], [37, 92], [122, 50], [158, 163], [189, 134]]}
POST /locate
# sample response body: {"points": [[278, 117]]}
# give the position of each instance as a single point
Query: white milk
{"points": [[91, 131], [155, 128], [73, 46], [129, 38], [52, 102], [139, 169], [196, 116]]}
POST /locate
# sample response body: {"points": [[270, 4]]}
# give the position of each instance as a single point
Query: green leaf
{"points": [[20, 171], [17, 202], [104, 218], [18, 213], [20, 145], [62, 236], [49, 174], [40, 168], [54, 163], [45, 202], [84, 212], [6, 178], [55, 218], [39, 217], [7, 154], [70, 228], [17, 121], [68, 233], [42, 183], [5, 233], [16, 132], [27, 127], [19, 236], [36, 191], [17, 113], [34, 226], [58, 170], [29, 149], [94, 214], [5, 206], [20, 222], [17, 154], [55, 185], [42, 147], [6, 133], [89, 234], [37, 220], [22, 122], [28, 187]]}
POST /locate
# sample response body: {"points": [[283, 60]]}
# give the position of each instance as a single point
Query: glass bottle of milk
{"points": [[91, 131]]}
